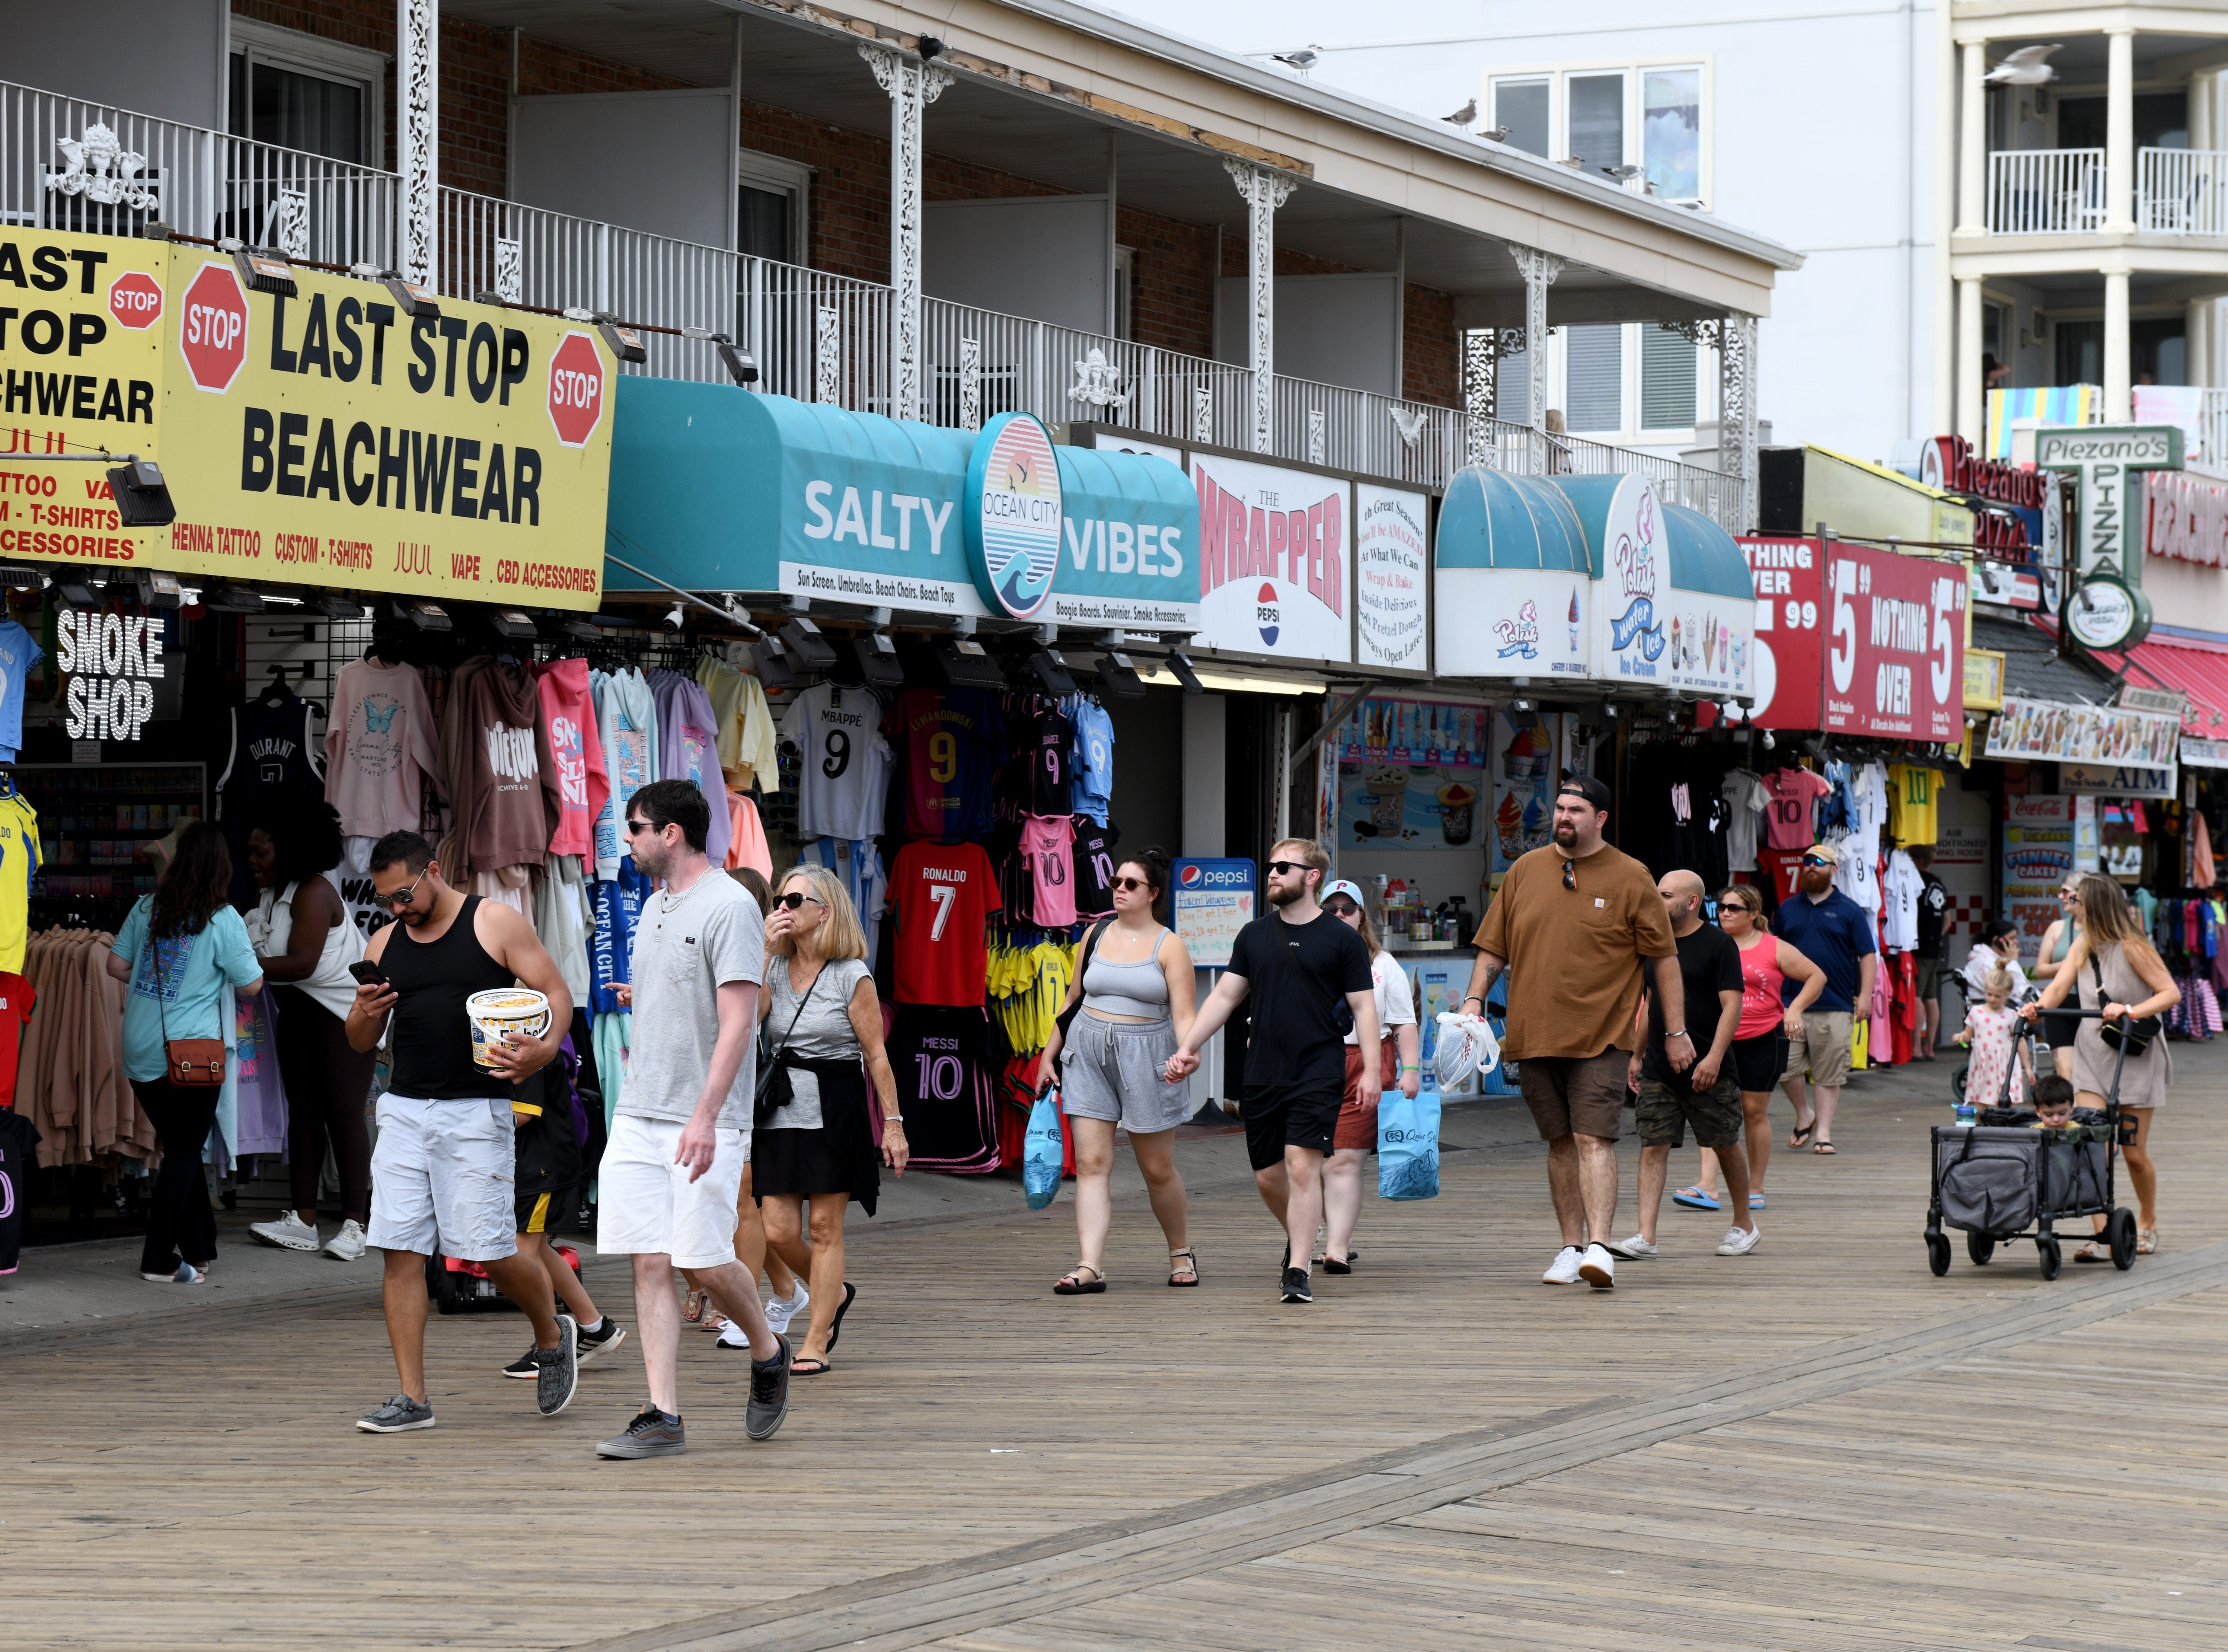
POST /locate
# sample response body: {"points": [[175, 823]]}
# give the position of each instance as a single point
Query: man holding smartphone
{"points": [[442, 1175]]}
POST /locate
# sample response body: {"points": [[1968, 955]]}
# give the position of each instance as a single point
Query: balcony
{"points": [[817, 336], [2182, 191], [2064, 192]]}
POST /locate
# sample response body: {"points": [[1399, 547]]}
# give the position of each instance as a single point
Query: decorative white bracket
{"points": [[1318, 447], [510, 271], [102, 171], [828, 355], [1264, 191], [289, 223], [417, 76], [1538, 270], [971, 384], [912, 84]]}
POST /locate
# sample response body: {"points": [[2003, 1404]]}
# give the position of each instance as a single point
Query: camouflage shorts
{"points": [[1663, 1113]]}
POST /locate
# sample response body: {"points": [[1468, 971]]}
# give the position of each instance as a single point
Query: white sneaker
{"points": [[1597, 1267], [1740, 1241], [289, 1233], [1564, 1270], [780, 1311], [347, 1245], [1634, 1249]]}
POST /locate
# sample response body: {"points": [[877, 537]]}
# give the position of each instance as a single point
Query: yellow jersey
{"points": [[19, 862], [1913, 796]]}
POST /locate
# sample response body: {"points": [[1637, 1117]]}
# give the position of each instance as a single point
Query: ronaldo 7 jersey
{"points": [[944, 894]]}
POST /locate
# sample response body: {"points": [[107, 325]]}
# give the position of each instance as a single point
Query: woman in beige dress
{"points": [[2113, 966]]}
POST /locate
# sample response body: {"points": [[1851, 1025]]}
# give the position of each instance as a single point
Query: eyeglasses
{"points": [[402, 896], [795, 899], [1131, 885], [1570, 874]]}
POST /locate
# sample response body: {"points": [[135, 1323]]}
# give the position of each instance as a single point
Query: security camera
{"points": [[674, 616]]}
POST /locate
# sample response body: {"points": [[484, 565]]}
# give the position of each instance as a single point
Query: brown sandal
{"points": [[692, 1306], [1189, 1265]]}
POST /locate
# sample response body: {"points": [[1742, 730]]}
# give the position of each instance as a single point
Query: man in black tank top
{"points": [[443, 1171]]}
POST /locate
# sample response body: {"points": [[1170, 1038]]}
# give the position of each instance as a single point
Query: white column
{"points": [[1942, 167], [1538, 270], [2119, 376], [417, 143], [2197, 342], [912, 85], [1973, 142], [1972, 403], [2120, 140], [1736, 397], [1264, 191]]}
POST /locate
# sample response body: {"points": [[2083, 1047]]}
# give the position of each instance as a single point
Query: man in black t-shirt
{"points": [[1296, 965], [1706, 1095], [1933, 909]]}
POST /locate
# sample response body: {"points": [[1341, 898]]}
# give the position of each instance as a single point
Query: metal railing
{"points": [[2045, 191], [67, 163], [2212, 430], [2182, 191]]}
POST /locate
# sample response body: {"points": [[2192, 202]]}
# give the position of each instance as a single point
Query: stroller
{"points": [[1996, 1180]]}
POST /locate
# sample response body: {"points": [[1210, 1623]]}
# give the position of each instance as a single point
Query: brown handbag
{"points": [[189, 1063]]}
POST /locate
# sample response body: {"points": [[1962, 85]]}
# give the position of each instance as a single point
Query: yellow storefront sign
{"points": [[325, 438]]}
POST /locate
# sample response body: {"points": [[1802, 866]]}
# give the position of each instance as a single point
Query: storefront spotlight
{"points": [[966, 665], [1120, 676], [425, 614], [159, 589], [513, 626], [263, 269], [1180, 668], [772, 663], [333, 606], [741, 366], [76, 590], [878, 660], [802, 639], [624, 342], [1052, 671], [220, 599], [143, 499], [17, 578]]}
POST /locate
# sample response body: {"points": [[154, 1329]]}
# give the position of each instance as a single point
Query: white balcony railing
{"points": [[69, 164], [2182, 191], [2045, 191], [2212, 430]]}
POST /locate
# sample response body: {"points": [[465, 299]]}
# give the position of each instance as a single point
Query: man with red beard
{"points": [[1836, 934]]}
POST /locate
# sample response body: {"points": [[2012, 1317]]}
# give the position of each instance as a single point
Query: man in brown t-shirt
{"points": [[1574, 924]]}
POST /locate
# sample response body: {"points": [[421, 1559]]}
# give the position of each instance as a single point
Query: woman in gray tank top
{"points": [[1133, 1000]]}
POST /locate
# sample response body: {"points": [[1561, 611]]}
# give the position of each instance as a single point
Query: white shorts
{"points": [[646, 1205], [442, 1178]]}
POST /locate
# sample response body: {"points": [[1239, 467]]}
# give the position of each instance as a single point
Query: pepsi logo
{"points": [[1267, 614], [1190, 878]]}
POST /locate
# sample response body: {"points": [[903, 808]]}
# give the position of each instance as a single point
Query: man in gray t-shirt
{"points": [[681, 1136]]}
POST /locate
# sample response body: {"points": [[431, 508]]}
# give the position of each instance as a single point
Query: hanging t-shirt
{"points": [[945, 1088], [1091, 760], [378, 748], [1094, 866], [573, 773], [626, 724], [859, 870], [747, 838], [1795, 794], [616, 904], [17, 997], [687, 750], [19, 864], [500, 815], [954, 743], [19, 652], [1037, 777], [273, 751], [843, 779], [19, 1142], [1901, 891], [944, 894], [1933, 910], [1914, 796], [744, 722], [1047, 850], [1746, 802]]}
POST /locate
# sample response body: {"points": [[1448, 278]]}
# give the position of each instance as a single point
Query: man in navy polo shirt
{"points": [[1836, 934]]}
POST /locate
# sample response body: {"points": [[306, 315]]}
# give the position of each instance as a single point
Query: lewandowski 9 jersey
{"points": [[954, 741], [944, 893]]}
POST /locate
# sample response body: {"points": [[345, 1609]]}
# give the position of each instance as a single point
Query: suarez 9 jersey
{"points": [[954, 742]]}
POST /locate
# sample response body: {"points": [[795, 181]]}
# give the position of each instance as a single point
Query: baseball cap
{"points": [[1824, 852], [1347, 887], [1587, 787]]}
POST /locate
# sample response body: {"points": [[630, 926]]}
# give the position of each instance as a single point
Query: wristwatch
{"points": [[1667, 1037]]}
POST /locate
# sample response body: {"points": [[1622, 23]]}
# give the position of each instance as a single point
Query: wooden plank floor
{"points": [[1816, 1446]]}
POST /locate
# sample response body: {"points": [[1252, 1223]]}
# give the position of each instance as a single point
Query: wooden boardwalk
{"points": [[1818, 1446]]}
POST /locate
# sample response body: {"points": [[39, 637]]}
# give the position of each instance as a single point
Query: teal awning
{"points": [[1488, 520], [1704, 556]]}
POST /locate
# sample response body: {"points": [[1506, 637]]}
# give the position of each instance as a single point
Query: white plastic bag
{"points": [[1465, 1045]]}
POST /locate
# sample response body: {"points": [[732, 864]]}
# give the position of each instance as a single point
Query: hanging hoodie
{"points": [[626, 723], [571, 755], [687, 749], [503, 819], [379, 749]]}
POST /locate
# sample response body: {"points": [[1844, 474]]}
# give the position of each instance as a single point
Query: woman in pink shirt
{"points": [[1759, 1051]]}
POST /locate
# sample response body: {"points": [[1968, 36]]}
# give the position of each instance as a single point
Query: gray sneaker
{"points": [[653, 1434], [561, 1368], [398, 1416], [769, 1405]]}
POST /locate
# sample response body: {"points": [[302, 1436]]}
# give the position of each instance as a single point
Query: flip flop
{"points": [[835, 1327], [1694, 1199], [1824, 1147], [805, 1365], [1802, 1135]]}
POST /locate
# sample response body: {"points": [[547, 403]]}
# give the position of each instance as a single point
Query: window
{"points": [[1609, 116], [1593, 378], [1666, 380], [303, 92], [771, 197]]}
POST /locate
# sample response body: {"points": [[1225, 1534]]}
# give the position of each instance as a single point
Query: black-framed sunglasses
{"points": [[636, 828], [402, 896], [1131, 885], [1340, 906], [1570, 874], [1278, 867], [1735, 905], [1812, 860], [797, 898]]}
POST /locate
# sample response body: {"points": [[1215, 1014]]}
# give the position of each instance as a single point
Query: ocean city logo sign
{"points": [[1014, 514], [113, 663], [2102, 457], [1520, 638]]}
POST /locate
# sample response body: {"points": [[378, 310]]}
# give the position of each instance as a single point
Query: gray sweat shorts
{"points": [[1111, 1070]]}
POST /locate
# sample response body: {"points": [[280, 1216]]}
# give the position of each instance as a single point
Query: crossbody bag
{"points": [[1065, 1019], [189, 1063], [773, 1091], [2136, 1034]]}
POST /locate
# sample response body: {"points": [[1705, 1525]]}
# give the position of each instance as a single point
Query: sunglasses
{"points": [[1812, 860], [1278, 868], [1735, 905], [1130, 886], [795, 899], [636, 828], [1342, 908], [402, 897], [1570, 874]]}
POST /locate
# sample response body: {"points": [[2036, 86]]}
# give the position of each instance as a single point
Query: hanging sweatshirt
{"points": [[379, 749], [687, 749], [503, 819], [572, 774], [626, 723]]}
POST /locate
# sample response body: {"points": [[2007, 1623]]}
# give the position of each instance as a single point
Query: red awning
{"points": [[2200, 671]]}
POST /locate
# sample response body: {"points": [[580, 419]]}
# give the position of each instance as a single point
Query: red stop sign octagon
{"points": [[213, 329], [135, 298], [576, 389]]}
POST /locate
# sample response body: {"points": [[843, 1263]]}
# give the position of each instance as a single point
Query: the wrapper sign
{"points": [[113, 662]]}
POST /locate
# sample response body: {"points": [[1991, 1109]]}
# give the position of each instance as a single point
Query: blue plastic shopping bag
{"points": [[1408, 1146], [1042, 1152]]}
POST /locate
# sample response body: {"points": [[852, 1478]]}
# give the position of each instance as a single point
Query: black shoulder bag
{"points": [[1341, 1013], [2135, 1033], [1067, 1016], [773, 1091]]}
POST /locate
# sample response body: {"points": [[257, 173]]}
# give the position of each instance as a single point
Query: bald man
{"points": [[1705, 1095]]}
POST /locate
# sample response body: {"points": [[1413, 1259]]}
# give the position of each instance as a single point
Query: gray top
{"points": [[1139, 989], [823, 1032], [686, 947]]}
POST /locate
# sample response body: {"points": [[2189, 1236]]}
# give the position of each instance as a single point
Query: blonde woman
{"points": [[1137, 1001], [2114, 967], [1397, 1064], [816, 1154]]}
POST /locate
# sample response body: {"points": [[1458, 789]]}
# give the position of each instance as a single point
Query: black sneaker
{"points": [[559, 1372], [653, 1434], [398, 1416], [527, 1367], [769, 1394], [586, 1344], [1296, 1288]]}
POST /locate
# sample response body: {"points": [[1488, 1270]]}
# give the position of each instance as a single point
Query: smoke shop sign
{"points": [[113, 662]]}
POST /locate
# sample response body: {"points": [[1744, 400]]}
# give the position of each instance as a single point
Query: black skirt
{"points": [[794, 1162], [838, 1158]]}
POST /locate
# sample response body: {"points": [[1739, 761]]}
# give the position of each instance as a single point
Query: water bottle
{"points": [[1968, 1115]]}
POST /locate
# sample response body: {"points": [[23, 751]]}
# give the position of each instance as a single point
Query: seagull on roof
{"points": [[1623, 174], [1464, 116], [1494, 134], [1301, 61], [2025, 66]]}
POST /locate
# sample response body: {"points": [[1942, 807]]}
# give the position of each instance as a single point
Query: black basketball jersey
{"points": [[272, 751]]}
